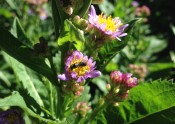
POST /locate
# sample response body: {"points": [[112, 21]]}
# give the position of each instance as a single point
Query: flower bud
{"points": [[130, 82], [116, 77], [108, 87], [76, 87], [80, 22], [116, 104], [82, 109], [81, 88], [77, 93]]}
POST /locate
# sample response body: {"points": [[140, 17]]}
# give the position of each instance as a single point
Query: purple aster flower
{"points": [[11, 117], [79, 67], [112, 27]]}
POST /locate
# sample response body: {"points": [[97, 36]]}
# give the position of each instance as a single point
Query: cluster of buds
{"points": [[139, 70], [74, 88], [80, 22], [119, 86], [142, 11], [36, 6], [81, 109]]}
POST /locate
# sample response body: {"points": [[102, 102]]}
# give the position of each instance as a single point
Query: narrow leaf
{"points": [[56, 18], [25, 55], [18, 32], [24, 77]]}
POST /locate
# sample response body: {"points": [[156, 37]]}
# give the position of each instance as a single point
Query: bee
{"points": [[80, 64]]}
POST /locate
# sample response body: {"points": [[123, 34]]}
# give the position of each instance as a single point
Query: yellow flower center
{"points": [[79, 67], [111, 25]]}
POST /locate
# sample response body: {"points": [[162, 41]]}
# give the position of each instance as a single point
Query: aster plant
{"points": [[56, 87]]}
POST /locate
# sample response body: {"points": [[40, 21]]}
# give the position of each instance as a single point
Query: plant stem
{"points": [[58, 111], [99, 107]]}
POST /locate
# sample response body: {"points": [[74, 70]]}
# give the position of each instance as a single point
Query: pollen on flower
{"points": [[79, 67], [112, 27], [111, 24]]}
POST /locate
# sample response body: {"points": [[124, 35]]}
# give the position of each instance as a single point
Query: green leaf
{"points": [[107, 7], [155, 69], [26, 79], [85, 8], [110, 49], [26, 103], [144, 100], [56, 18], [18, 32], [156, 45], [6, 13], [162, 117], [72, 35], [25, 55]]}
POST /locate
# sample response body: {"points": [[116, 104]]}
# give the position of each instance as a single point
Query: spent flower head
{"points": [[81, 108], [79, 67], [109, 26]]}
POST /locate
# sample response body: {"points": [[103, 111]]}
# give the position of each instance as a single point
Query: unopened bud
{"points": [[116, 90], [77, 93], [130, 82], [82, 109], [76, 87], [76, 19], [108, 87], [116, 77], [116, 104], [81, 88]]}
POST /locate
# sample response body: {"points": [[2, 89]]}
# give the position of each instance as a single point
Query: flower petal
{"points": [[93, 74], [62, 77], [80, 79], [92, 11]]}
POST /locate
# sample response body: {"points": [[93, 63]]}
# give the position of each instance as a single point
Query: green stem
{"points": [[99, 107], [58, 111], [51, 100], [60, 104], [85, 7]]}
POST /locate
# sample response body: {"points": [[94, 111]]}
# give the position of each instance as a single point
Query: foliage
{"points": [[45, 46]]}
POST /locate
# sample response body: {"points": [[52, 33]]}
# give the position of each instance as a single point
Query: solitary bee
{"points": [[75, 65]]}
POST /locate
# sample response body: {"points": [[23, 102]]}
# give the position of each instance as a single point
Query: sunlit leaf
{"points": [[144, 100], [110, 49], [72, 35]]}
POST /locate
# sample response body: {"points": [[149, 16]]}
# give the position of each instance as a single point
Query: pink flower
{"points": [[128, 81], [79, 67], [107, 25], [116, 77]]}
